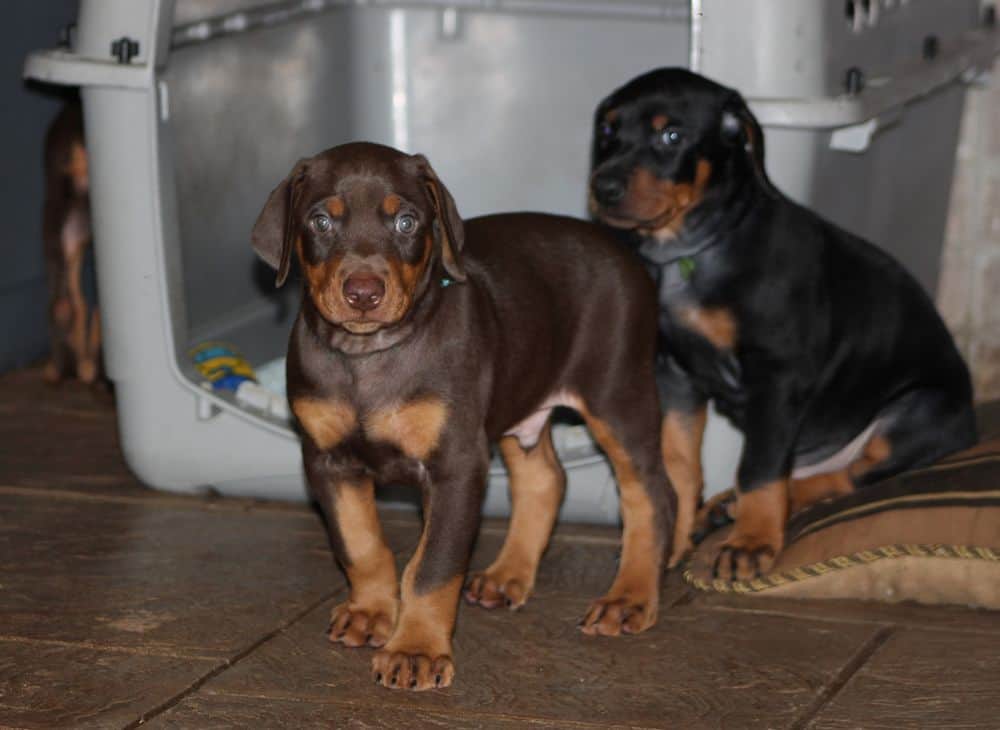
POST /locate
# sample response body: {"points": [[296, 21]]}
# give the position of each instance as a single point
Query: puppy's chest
{"points": [[371, 429], [702, 333]]}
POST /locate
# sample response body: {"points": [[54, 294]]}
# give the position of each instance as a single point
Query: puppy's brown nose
{"points": [[364, 291]]}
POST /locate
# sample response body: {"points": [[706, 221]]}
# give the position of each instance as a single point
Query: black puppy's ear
{"points": [[448, 223], [739, 126], [274, 232]]}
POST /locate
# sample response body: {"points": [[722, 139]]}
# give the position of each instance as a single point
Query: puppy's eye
{"points": [[670, 137], [406, 223], [605, 133], [321, 223]]}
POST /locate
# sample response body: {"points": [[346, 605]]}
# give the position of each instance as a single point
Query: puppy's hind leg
{"points": [[681, 438], [628, 431], [537, 483], [922, 427]]}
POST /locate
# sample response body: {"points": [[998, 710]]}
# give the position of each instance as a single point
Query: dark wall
{"points": [[27, 111]]}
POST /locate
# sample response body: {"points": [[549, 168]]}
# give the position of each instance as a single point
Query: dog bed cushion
{"points": [[930, 536]]}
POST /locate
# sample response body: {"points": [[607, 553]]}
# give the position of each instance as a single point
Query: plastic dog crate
{"points": [[195, 109]]}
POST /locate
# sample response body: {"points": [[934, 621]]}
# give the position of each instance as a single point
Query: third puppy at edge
{"points": [[817, 345]]}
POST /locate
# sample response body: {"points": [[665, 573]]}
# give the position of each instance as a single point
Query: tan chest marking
{"points": [[414, 427], [716, 325], [327, 421]]}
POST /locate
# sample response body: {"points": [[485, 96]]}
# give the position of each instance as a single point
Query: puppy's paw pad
{"points": [[354, 626], [491, 591], [412, 671], [617, 616]]}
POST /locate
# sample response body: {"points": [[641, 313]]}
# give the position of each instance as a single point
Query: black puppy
{"points": [[817, 345]]}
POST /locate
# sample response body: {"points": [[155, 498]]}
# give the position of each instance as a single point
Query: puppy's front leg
{"points": [[418, 654], [347, 498], [762, 503]]}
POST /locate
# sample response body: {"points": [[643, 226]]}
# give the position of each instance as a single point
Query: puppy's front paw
{"points": [[493, 588], [412, 669], [613, 616], [354, 625], [745, 557]]}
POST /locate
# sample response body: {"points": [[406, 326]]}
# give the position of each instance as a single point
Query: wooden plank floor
{"points": [[120, 605]]}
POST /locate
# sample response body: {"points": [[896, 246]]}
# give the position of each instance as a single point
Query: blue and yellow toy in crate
{"points": [[222, 365]]}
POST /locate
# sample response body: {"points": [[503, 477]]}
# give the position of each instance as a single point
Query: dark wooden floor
{"points": [[120, 605]]}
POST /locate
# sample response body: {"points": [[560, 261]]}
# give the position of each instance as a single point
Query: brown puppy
{"points": [[421, 340], [74, 328]]}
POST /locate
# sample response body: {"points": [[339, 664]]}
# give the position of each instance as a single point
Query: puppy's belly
{"points": [[529, 430], [75, 232], [840, 460]]}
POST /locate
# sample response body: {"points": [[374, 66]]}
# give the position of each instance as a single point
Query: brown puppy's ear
{"points": [[274, 232], [448, 223], [739, 126]]}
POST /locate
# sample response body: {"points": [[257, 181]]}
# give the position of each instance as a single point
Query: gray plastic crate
{"points": [[187, 139]]}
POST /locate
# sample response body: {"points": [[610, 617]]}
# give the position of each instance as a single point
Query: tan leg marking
{"points": [[804, 492], [716, 325], [807, 491], [414, 427], [681, 439], [328, 422], [86, 369], [537, 482], [631, 604], [418, 654], [758, 535], [877, 450], [369, 616]]}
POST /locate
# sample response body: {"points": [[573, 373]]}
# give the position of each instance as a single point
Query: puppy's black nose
{"points": [[364, 291], [607, 189]]}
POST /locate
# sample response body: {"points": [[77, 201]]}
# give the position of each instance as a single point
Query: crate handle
{"points": [[882, 96], [58, 66]]}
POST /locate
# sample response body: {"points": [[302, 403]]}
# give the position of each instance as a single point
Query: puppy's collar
{"points": [[684, 256]]}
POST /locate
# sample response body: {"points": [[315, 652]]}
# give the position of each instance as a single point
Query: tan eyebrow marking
{"points": [[391, 204], [335, 206]]}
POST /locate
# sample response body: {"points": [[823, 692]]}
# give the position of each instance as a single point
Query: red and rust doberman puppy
{"points": [[74, 327], [818, 346], [421, 340]]}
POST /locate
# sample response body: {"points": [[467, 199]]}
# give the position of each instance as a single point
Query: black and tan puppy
{"points": [[421, 340], [818, 346]]}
